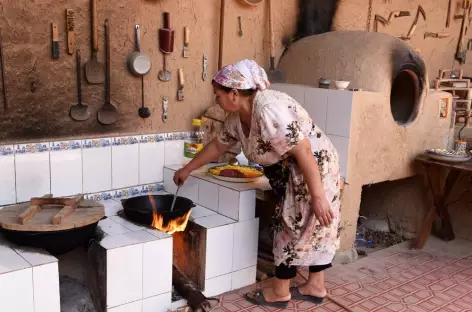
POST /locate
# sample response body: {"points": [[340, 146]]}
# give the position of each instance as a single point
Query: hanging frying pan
{"points": [[140, 209]]}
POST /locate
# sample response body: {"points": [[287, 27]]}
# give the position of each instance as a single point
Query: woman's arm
{"points": [[311, 172]]}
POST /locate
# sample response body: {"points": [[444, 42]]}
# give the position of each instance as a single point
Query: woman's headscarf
{"points": [[243, 75]]}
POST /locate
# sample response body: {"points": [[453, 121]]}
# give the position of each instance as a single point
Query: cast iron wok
{"points": [[139, 209], [55, 242]]}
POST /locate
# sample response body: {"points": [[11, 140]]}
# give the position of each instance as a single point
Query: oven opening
{"points": [[405, 97]]}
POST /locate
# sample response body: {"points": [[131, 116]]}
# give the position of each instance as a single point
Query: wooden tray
{"points": [[48, 214]]}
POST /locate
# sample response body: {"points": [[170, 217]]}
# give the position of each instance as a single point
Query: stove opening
{"points": [[405, 96]]}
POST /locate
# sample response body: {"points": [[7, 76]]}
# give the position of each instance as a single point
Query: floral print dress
{"points": [[278, 124]]}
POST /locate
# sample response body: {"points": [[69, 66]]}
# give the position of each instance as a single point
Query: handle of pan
{"points": [[138, 38], [79, 76], [166, 16]]}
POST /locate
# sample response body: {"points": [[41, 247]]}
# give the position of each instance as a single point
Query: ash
{"points": [[75, 297]]}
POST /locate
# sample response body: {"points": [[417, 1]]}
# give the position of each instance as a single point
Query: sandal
{"points": [[296, 295], [257, 298]]}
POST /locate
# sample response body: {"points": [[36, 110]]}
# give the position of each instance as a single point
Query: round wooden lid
{"points": [[50, 217]]}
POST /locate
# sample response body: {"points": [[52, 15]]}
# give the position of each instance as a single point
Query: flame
{"points": [[176, 225]]}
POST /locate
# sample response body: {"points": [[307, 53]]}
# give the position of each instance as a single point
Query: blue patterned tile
{"points": [[178, 136], [127, 140], [151, 188], [66, 145], [152, 138], [99, 196], [93, 143], [6, 150], [31, 148], [126, 193]]}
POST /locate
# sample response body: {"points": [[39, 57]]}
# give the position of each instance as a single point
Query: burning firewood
{"points": [[195, 299]]}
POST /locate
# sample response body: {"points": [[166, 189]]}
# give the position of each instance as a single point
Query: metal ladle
{"points": [[175, 198]]}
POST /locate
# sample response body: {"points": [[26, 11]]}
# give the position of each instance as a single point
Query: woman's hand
{"points": [[322, 210], [180, 176]]}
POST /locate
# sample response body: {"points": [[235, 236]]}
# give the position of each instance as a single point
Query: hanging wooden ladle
{"points": [[253, 2]]}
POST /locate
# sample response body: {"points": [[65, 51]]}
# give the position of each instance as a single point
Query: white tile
{"points": [[169, 185], [111, 207], [10, 260], [110, 227], [125, 165], [208, 194], [219, 251], [342, 146], [124, 275], [297, 92], [247, 205], [16, 291], [131, 226], [228, 202], [158, 234], [338, 121], [66, 172], [190, 189], [178, 304], [46, 288], [36, 257], [127, 239], [7, 178], [213, 221], [174, 152], [316, 104], [96, 169], [246, 237], [136, 306], [161, 303], [32, 175], [200, 212], [151, 162], [217, 286], [157, 267], [243, 278]]}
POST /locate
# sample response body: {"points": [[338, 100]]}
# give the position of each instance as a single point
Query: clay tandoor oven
{"points": [[371, 61]]}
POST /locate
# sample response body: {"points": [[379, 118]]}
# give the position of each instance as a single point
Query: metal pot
{"points": [[55, 242], [139, 209]]}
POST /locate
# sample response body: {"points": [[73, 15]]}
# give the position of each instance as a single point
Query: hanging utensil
{"points": [[175, 198], [166, 45], [240, 26], [79, 111], [108, 113], [143, 111], [2, 63], [93, 68], [55, 41], [222, 29], [186, 50], [139, 64], [180, 91], [70, 25], [274, 75], [253, 2]]}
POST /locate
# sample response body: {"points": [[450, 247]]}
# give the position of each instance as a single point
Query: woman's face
{"points": [[228, 101]]}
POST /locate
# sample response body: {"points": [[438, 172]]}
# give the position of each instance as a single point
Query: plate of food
{"points": [[448, 155], [237, 174]]}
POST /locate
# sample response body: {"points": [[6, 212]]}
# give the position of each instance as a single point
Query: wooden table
{"points": [[440, 192]]}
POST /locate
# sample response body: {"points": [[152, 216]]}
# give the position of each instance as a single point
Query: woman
{"points": [[302, 167]]}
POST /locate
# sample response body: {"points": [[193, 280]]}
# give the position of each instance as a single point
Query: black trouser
{"points": [[288, 272]]}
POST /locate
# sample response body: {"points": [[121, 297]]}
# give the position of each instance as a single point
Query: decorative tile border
{"points": [[66, 145], [93, 143], [31, 148], [6, 150], [178, 136], [152, 138], [126, 140], [126, 192]]}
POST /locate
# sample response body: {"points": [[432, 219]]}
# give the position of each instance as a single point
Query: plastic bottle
{"points": [[195, 144]]}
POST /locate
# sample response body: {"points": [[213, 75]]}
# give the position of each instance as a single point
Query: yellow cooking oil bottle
{"points": [[194, 144]]}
